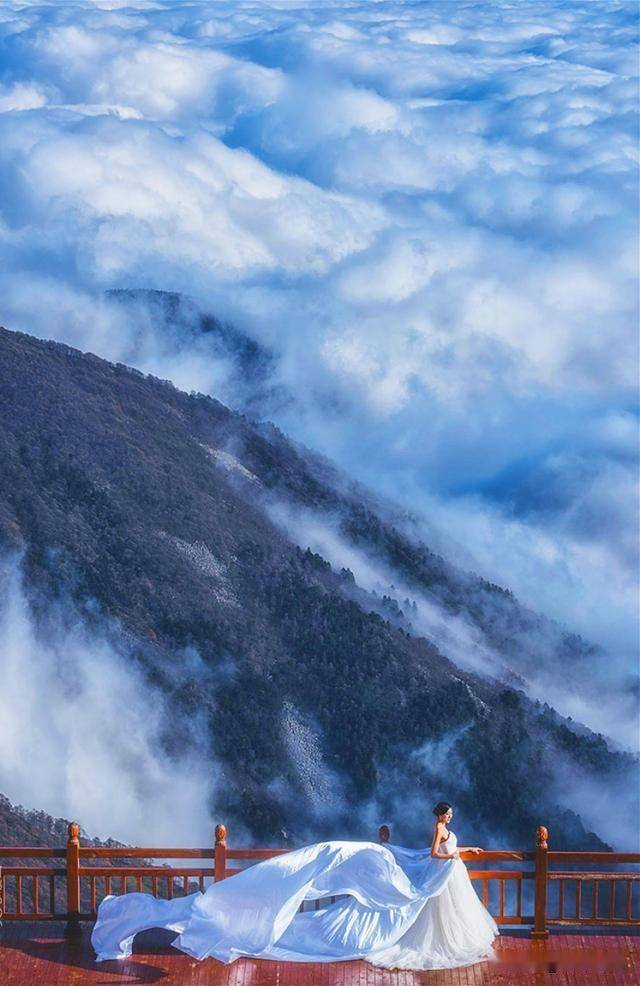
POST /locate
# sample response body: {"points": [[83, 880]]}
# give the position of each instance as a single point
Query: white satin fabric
{"points": [[404, 909]]}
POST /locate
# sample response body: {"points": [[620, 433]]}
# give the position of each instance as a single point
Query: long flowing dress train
{"points": [[402, 909]]}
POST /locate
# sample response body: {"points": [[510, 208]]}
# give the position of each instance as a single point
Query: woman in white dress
{"points": [[403, 908], [453, 929]]}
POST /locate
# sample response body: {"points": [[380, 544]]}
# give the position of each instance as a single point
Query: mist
{"points": [[81, 734]]}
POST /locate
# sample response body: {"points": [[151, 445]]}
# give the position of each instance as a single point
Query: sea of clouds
{"points": [[427, 211]]}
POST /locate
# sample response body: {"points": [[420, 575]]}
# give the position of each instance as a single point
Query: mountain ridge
{"points": [[122, 491]]}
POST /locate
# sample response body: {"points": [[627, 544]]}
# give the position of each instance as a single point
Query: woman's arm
{"points": [[438, 838], [475, 849]]}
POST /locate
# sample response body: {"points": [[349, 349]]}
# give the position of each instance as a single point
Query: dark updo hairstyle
{"points": [[441, 808]]}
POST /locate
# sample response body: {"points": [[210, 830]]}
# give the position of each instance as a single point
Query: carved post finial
{"points": [[542, 835], [73, 832], [220, 854], [384, 834]]}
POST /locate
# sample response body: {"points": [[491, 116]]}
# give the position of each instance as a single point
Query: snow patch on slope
{"points": [[303, 742], [205, 562], [230, 464]]}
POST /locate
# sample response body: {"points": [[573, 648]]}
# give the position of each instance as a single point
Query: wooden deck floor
{"points": [[38, 955]]}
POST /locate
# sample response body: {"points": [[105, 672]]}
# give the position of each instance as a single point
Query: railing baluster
{"points": [[501, 884], [485, 892], [578, 899], [123, 884], [52, 895], [628, 901], [519, 899], [185, 884], [92, 894], [36, 895], [139, 883], [19, 895], [612, 899], [561, 899], [154, 885], [169, 887], [107, 885], [595, 900]]}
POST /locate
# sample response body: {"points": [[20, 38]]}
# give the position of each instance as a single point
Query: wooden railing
{"points": [[515, 896]]}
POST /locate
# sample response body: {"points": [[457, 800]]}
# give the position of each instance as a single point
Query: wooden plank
{"points": [[31, 870], [589, 921], [592, 875], [31, 852], [133, 871], [500, 875], [254, 853], [594, 857], [130, 852]]}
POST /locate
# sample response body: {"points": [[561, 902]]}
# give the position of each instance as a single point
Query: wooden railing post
{"points": [[220, 853], [384, 834], [72, 929], [540, 931]]}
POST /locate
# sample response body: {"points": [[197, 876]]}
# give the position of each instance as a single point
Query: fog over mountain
{"points": [[370, 533], [425, 213], [183, 654]]}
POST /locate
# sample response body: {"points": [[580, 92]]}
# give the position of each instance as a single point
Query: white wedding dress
{"points": [[404, 910]]}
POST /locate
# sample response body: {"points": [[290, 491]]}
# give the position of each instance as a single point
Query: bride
{"points": [[403, 909]]}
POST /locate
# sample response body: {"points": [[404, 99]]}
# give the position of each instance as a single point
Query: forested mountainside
{"points": [[156, 514], [28, 827], [21, 826]]}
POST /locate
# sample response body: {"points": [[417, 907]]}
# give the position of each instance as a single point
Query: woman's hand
{"points": [[455, 855], [475, 849]]}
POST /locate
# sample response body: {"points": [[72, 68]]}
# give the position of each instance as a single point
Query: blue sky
{"points": [[427, 210]]}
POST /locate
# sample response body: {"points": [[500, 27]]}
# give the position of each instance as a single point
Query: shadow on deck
{"points": [[37, 954]]}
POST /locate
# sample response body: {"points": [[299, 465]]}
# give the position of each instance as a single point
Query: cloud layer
{"points": [[428, 211]]}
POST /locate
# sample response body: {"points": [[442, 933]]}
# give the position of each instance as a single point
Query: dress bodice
{"points": [[451, 843]]}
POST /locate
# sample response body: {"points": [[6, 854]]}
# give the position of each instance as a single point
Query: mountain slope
{"points": [[160, 513]]}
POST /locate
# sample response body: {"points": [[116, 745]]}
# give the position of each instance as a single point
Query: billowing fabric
{"points": [[402, 907]]}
